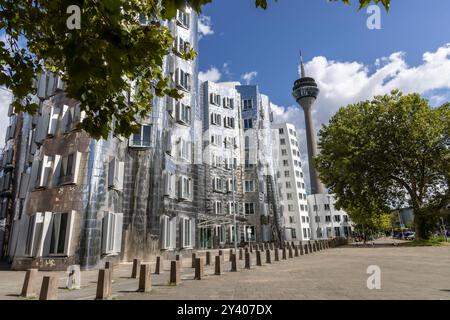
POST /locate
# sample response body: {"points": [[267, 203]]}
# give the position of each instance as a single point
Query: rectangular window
{"points": [[249, 186], [327, 218], [282, 142], [293, 233], [337, 218], [288, 185], [290, 207], [186, 232], [69, 167], [284, 152], [247, 104], [249, 208], [248, 123], [305, 233], [141, 138], [183, 19], [112, 232], [337, 231], [183, 113], [317, 218], [287, 174], [345, 218], [185, 188], [115, 174], [289, 196], [303, 219], [184, 149], [218, 207], [326, 207], [60, 226], [183, 80]]}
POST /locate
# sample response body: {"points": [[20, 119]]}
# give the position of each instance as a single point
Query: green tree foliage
{"points": [[390, 152], [111, 54]]}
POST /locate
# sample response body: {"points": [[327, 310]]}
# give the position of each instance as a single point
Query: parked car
{"points": [[410, 236]]}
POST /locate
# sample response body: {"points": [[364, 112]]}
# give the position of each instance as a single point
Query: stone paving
{"points": [[336, 273]]}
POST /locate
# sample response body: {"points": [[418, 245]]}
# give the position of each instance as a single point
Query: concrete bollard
{"points": [[230, 254], [103, 285], [208, 258], [159, 267], [251, 249], [268, 256], [109, 265], [306, 248], [300, 246], [218, 266], [247, 260], [73, 277], [241, 254], [136, 266], [258, 258], [145, 278], [233, 259], [283, 252], [49, 288], [277, 255], [296, 251], [263, 247], [290, 252], [29, 284], [199, 269], [194, 256], [175, 276]]}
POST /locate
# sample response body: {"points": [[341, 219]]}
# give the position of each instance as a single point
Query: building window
{"points": [[60, 233], [305, 233], [291, 208], [337, 218], [282, 142], [185, 188], [183, 114], [247, 104], [218, 207], [214, 99], [168, 229], [288, 185], [183, 19], [303, 219], [249, 186], [293, 233], [248, 123], [317, 219], [69, 166], [112, 232], [337, 231], [284, 152], [315, 207], [184, 149], [142, 137], [281, 131], [249, 208], [345, 218], [285, 163], [327, 218], [327, 207], [183, 80], [289, 196], [287, 174], [228, 103], [186, 232]]}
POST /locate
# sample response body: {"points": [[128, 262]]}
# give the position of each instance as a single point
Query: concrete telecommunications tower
{"points": [[305, 92]]}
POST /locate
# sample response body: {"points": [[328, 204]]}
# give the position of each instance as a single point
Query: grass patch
{"points": [[432, 242]]}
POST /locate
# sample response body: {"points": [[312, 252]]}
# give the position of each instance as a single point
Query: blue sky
{"points": [[267, 42]]}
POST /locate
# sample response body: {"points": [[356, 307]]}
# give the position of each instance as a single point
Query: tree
{"points": [[110, 54], [393, 150]]}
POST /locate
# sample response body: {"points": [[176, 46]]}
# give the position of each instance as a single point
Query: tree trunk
{"points": [[420, 225]]}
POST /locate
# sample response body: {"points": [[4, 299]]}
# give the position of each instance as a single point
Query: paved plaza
{"points": [[336, 273]]}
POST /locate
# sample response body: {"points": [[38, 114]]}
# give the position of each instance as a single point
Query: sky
{"points": [[349, 61]]}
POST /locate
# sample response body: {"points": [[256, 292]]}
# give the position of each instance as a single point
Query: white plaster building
{"points": [[291, 183]]}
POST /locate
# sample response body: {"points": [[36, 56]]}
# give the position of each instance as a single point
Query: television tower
{"points": [[305, 92]]}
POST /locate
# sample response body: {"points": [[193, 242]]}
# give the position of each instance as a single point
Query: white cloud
{"points": [[249, 76], [5, 100], [343, 83], [213, 74], [204, 27]]}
